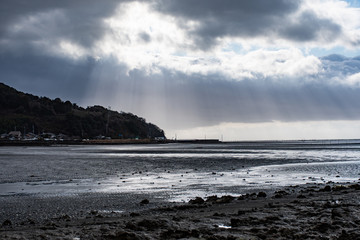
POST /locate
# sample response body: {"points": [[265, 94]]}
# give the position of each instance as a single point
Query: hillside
{"points": [[29, 113]]}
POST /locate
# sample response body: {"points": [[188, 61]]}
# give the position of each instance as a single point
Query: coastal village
{"points": [[18, 136]]}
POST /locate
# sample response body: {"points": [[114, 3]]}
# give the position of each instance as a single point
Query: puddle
{"points": [[110, 211], [224, 226]]}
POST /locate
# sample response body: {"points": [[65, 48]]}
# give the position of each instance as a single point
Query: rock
{"points": [[7, 222], [94, 212], [234, 222], [242, 197], [132, 226], [219, 214], [272, 230], [50, 224], [47, 228], [286, 232], [261, 235], [241, 212], [212, 198], [339, 188], [197, 200], [271, 205], [30, 221], [124, 236], [261, 195], [281, 192], [335, 213], [104, 229], [134, 214], [301, 196], [344, 235], [225, 199], [327, 188], [355, 186], [65, 217], [179, 234], [331, 204], [145, 201], [152, 224], [322, 227], [270, 219]]}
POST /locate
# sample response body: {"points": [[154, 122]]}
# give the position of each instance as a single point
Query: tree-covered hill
{"points": [[26, 112]]}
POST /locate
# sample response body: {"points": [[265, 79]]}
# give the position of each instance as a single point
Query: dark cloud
{"points": [[170, 98], [29, 67], [248, 19], [47, 76], [79, 21], [309, 27]]}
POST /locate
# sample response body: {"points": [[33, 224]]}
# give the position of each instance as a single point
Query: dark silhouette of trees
{"points": [[22, 110]]}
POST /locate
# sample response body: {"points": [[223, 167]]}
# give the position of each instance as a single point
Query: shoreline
{"points": [[103, 142], [311, 211], [263, 144]]}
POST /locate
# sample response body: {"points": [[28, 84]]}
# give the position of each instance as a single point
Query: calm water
{"points": [[175, 172]]}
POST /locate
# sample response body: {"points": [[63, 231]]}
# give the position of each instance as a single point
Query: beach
{"points": [[272, 190], [297, 212], [165, 119]]}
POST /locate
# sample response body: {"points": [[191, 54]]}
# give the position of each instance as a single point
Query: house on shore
{"points": [[15, 135]]}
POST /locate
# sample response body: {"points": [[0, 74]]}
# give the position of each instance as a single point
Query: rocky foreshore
{"points": [[315, 211]]}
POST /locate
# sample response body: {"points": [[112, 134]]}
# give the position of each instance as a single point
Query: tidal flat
{"points": [[143, 191]]}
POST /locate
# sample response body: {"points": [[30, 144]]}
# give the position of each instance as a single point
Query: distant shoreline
{"points": [[255, 143], [102, 142]]}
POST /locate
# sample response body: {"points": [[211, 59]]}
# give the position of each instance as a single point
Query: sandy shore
{"points": [[330, 211]]}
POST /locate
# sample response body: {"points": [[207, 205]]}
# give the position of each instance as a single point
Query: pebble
{"points": [[7, 222], [145, 201], [197, 200]]}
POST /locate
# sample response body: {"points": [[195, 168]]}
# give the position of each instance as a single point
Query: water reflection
{"points": [[176, 172]]}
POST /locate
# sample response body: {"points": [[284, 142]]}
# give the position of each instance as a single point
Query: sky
{"points": [[225, 69]]}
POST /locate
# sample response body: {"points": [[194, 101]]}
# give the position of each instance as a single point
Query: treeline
{"points": [[25, 112]]}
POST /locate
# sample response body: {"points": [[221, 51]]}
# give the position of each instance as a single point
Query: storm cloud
{"points": [[23, 23], [46, 75], [186, 64], [273, 19]]}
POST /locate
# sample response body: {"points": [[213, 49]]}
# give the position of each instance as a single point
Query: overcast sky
{"points": [[250, 69]]}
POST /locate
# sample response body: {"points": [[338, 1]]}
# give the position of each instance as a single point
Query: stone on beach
{"points": [[322, 215], [145, 201], [197, 200], [261, 195]]}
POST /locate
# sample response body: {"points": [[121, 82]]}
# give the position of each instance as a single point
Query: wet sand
{"points": [[311, 211], [97, 192]]}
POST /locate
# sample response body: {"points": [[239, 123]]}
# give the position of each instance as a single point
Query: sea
{"points": [[174, 172]]}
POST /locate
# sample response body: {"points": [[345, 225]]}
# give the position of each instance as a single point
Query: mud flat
{"points": [[311, 211]]}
